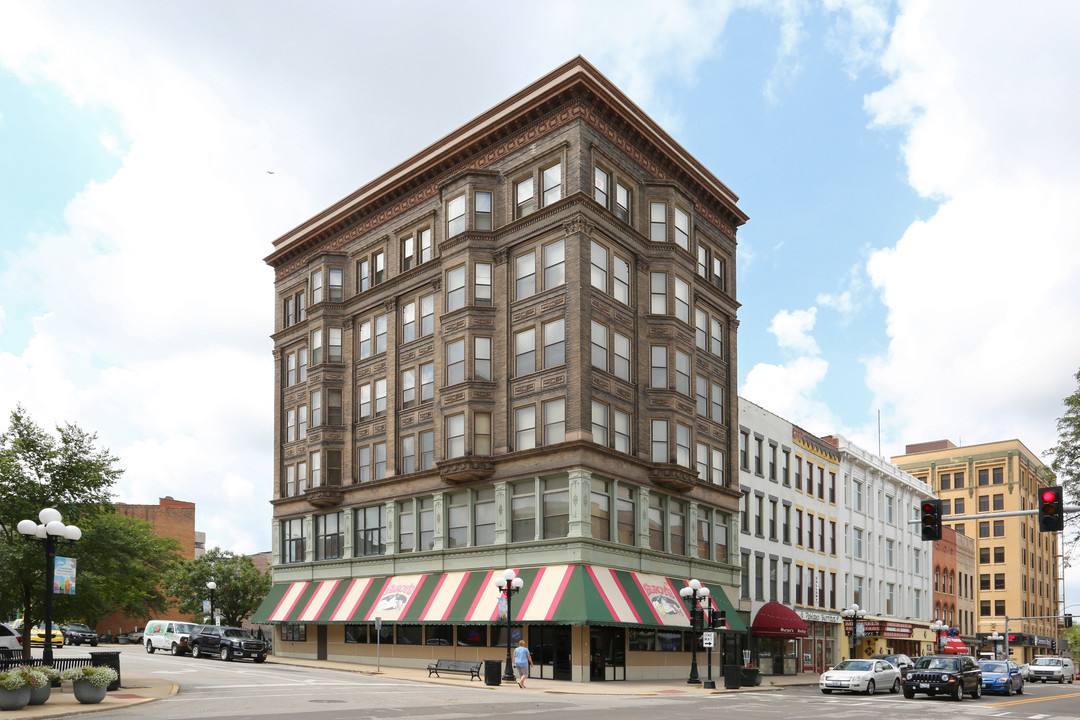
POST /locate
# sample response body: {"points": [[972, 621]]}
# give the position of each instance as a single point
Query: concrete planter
{"points": [[40, 696], [14, 699], [87, 693]]}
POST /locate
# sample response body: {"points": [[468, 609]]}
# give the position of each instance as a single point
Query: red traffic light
{"points": [[1051, 509], [928, 507], [1049, 496]]}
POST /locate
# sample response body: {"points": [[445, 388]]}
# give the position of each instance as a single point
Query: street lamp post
{"points": [[509, 584], [212, 586], [693, 594], [996, 640], [853, 613], [939, 627], [49, 531]]}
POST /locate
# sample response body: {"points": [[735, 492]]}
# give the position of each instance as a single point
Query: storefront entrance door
{"points": [[550, 647], [607, 654]]}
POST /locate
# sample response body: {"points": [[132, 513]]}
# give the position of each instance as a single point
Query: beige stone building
{"points": [[1016, 566], [516, 349]]}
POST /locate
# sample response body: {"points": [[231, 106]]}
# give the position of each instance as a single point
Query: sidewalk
{"points": [[139, 689]]}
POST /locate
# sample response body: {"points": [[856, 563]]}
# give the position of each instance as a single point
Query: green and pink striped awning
{"points": [[563, 594]]}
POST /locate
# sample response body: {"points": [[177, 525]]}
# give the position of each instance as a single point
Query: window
{"points": [[525, 428], [482, 433], [601, 181], [408, 322], [682, 372], [622, 202], [523, 512], [427, 449], [455, 216], [427, 315], [455, 362], [701, 329], [658, 362], [525, 352], [682, 445], [525, 275], [600, 509], [316, 347], [316, 287], [599, 339], [525, 196], [329, 536], [369, 530], [292, 540], [999, 501], [455, 289], [658, 293], [380, 397], [290, 425], [658, 222], [701, 396], [482, 211], [408, 388], [716, 412], [682, 300], [363, 464], [720, 536], [554, 264], [426, 513], [334, 414], [772, 462], [333, 345], [598, 260], [659, 441], [316, 408], [857, 491], [455, 435], [621, 279], [482, 284], [622, 431], [552, 178], [682, 229], [656, 522], [744, 450], [406, 527], [554, 343], [408, 454], [379, 452], [889, 551], [554, 421], [482, 358], [622, 356], [290, 369], [556, 507], [484, 517], [857, 543], [599, 423], [457, 520], [427, 381], [716, 335], [717, 466], [625, 519]]}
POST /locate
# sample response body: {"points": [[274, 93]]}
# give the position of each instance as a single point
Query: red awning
{"points": [[778, 620], [955, 645]]}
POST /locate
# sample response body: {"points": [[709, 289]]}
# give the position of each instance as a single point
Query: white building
{"points": [[824, 524]]}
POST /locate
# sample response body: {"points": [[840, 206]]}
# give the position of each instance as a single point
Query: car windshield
{"points": [[184, 627], [79, 626], [936, 664], [994, 667], [1045, 661], [854, 665], [237, 633]]}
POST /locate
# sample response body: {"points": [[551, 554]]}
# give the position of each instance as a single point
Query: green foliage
{"points": [[22, 676], [240, 585], [96, 676], [1066, 463]]}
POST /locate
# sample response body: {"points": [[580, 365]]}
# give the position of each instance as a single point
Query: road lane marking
{"points": [[1031, 700]]}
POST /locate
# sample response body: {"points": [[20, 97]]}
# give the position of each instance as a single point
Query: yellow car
{"points": [[37, 636]]}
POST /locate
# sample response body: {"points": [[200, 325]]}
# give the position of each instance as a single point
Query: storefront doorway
{"points": [[607, 654], [550, 646]]}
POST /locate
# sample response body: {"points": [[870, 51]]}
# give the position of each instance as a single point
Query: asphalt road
{"points": [[211, 689]]}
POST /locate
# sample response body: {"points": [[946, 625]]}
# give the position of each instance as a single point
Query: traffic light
{"points": [[1051, 509], [720, 621], [1068, 620], [931, 520]]}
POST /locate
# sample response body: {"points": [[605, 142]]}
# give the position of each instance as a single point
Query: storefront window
{"points": [[472, 635], [356, 633], [642, 639], [439, 635], [410, 634], [669, 641]]}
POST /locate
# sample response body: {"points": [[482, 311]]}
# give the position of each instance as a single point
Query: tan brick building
{"points": [[515, 349], [1015, 573]]}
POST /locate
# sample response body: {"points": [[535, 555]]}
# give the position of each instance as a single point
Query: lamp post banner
{"points": [[502, 608], [64, 576]]}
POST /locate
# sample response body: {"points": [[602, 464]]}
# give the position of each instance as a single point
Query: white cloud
{"points": [[791, 391], [792, 330], [841, 302], [982, 297]]}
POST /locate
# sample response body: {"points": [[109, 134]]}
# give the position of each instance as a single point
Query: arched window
{"points": [[935, 579]]}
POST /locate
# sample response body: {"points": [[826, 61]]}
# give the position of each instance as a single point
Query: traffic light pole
{"points": [[999, 514], [1033, 617]]}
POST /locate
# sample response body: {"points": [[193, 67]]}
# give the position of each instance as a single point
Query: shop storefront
{"points": [[584, 623], [883, 636], [776, 639], [824, 640]]}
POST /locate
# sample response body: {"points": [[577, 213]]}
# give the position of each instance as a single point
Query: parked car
{"points": [[170, 635], [10, 639], [78, 633], [37, 636], [1044, 668], [1025, 671], [1001, 676], [900, 661], [952, 675], [227, 643], [864, 676]]}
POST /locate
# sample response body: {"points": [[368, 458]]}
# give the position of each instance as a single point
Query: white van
{"points": [[1045, 667], [171, 635]]}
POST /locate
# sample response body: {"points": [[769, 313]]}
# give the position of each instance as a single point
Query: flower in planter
{"points": [[51, 674], [96, 676], [22, 676]]}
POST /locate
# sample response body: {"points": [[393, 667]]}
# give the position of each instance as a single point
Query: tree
{"points": [[1066, 463], [37, 470], [240, 585]]}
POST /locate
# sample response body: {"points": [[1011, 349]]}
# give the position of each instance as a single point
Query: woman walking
{"points": [[522, 663]]}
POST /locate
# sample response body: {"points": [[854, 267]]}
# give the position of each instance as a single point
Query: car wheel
{"points": [[958, 692], [909, 693], [825, 691], [1020, 690], [977, 692], [225, 654], [174, 649], [1008, 690], [93, 644], [895, 686], [149, 647], [196, 651], [1061, 680], [260, 659], [870, 688]]}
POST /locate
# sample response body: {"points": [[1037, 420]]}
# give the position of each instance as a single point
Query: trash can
{"points": [[492, 672], [110, 659], [732, 677]]}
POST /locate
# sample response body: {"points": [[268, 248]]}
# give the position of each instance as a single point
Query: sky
{"points": [[910, 170]]}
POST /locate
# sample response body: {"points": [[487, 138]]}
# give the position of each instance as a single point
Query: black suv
{"points": [[226, 642], [951, 675], [77, 634]]}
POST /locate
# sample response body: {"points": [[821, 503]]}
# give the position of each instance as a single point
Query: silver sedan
{"points": [[865, 676]]}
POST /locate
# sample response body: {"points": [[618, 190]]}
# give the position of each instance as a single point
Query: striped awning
{"points": [[563, 594]]}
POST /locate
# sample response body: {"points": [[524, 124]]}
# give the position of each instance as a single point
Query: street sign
{"points": [[378, 623], [708, 639]]}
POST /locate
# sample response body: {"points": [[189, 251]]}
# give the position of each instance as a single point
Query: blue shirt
{"points": [[521, 656]]}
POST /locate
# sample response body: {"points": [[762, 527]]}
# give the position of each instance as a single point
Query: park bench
{"points": [[465, 667]]}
